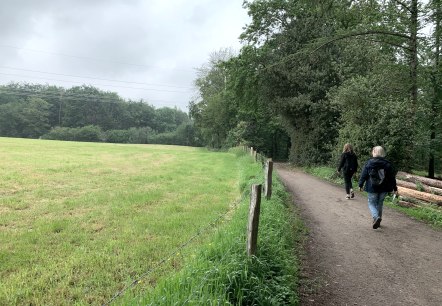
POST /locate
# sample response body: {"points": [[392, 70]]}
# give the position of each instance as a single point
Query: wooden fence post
{"points": [[268, 179], [252, 227], [251, 151]]}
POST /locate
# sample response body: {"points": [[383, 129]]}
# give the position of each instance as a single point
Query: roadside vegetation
{"points": [[431, 214]]}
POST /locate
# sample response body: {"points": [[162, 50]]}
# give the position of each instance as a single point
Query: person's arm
{"points": [[341, 162], [363, 177], [393, 179]]}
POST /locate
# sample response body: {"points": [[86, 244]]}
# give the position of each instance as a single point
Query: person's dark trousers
{"points": [[347, 182]]}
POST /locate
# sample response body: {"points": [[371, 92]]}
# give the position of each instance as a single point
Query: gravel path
{"points": [[347, 262]]}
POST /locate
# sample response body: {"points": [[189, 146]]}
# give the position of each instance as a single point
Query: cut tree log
{"points": [[425, 180], [435, 199], [415, 202], [413, 186], [406, 204]]}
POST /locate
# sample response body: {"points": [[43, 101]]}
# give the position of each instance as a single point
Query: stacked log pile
{"points": [[417, 190]]}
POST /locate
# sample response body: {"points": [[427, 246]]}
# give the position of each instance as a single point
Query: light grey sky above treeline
{"points": [[141, 49]]}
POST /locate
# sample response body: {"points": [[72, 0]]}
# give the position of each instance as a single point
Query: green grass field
{"points": [[79, 221]]}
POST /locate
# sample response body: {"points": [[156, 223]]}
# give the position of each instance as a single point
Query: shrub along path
{"points": [[347, 262]]}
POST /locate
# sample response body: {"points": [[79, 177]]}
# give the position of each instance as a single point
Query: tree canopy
{"points": [[313, 75]]}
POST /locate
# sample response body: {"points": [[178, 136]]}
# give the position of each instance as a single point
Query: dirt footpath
{"points": [[347, 262]]}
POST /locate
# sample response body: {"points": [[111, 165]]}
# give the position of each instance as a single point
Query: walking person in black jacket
{"points": [[348, 164], [379, 178]]}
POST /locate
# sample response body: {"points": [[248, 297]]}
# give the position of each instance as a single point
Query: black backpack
{"points": [[377, 176]]}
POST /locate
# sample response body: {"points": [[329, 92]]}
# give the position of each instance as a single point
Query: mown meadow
{"points": [[83, 223], [79, 220]]}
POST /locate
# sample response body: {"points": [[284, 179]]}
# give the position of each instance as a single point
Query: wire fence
{"points": [[211, 225]]}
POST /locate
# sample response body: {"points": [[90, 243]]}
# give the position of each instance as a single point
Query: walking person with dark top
{"points": [[379, 179], [348, 164]]}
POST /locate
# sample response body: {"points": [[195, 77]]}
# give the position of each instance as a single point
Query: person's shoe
{"points": [[347, 197], [352, 194], [376, 223]]}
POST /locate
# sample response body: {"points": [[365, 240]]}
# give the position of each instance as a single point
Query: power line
{"points": [[94, 78], [86, 58], [106, 85], [79, 97]]}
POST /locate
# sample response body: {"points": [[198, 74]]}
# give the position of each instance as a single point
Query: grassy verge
{"points": [[431, 214], [221, 273], [78, 221]]}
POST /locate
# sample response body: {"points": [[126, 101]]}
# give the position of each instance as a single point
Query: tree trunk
{"points": [[437, 92], [406, 204], [413, 55], [412, 185], [414, 178], [428, 197]]}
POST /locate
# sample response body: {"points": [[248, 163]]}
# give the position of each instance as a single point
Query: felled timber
{"points": [[406, 204], [424, 180], [413, 186], [415, 202], [428, 197]]}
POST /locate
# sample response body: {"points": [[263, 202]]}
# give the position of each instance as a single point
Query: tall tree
{"points": [[434, 110], [213, 112]]}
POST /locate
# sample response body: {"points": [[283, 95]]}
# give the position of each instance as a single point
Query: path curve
{"points": [[347, 262]]}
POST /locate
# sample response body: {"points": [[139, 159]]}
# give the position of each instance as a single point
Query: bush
{"points": [[140, 135], [117, 136], [165, 138], [60, 133], [90, 133]]}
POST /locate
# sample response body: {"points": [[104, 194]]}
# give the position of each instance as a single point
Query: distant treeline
{"points": [[85, 113]]}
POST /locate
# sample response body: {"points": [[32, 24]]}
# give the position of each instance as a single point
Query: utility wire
{"points": [[87, 58], [94, 78], [106, 85], [80, 97]]}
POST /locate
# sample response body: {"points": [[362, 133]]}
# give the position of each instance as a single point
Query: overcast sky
{"points": [[154, 45]]}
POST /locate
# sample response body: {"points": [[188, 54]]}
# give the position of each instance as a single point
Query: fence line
{"points": [[268, 179], [255, 200], [206, 277], [174, 253], [253, 224]]}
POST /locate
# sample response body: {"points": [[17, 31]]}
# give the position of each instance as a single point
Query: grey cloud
{"points": [[155, 41]]}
